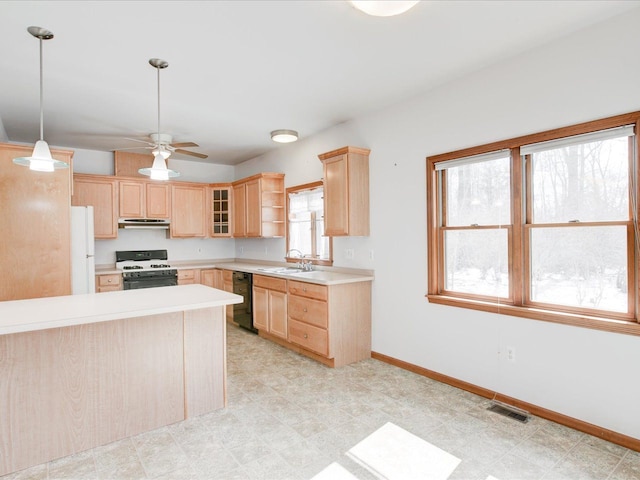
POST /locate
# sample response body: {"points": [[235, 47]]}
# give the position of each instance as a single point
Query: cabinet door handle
{"points": [[304, 289], [304, 310], [306, 336]]}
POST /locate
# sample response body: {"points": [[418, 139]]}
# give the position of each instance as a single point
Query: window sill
{"points": [[585, 321]]}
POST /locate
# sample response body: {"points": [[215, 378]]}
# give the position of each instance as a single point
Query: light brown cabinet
{"points": [[35, 259], [208, 277], [188, 210], [101, 192], [221, 210], [346, 192], [270, 305], [331, 323], [143, 199], [188, 276], [258, 206], [227, 286], [109, 282]]}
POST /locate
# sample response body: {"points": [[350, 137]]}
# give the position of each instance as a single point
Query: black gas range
{"points": [[145, 269]]}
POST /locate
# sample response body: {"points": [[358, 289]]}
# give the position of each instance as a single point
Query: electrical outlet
{"points": [[349, 253], [511, 354], [370, 254], [241, 250], [266, 250]]}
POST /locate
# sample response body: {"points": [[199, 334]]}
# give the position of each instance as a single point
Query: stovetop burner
{"points": [[159, 265], [132, 267]]}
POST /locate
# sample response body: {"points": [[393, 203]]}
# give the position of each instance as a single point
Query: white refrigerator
{"points": [[83, 267]]}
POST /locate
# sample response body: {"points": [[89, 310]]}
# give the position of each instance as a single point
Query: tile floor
{"points": [[289, 417]]}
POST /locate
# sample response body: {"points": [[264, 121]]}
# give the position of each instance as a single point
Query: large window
{"points": [[305, 224], [542, 226]]}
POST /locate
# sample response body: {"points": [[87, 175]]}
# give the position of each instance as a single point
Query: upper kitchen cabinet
{"points": [[101, 192], [127, 164], [188, 210], [144, 199], [258, 206], [220, 199], [35, 227], [346, 192]]}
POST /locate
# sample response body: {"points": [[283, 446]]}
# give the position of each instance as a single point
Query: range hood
{"points": [[146, 223]]}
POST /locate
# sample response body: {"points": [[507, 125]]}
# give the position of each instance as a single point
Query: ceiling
{"points": [[239, 69]]}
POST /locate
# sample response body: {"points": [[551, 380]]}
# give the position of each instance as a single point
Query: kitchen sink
{"points": [[284, 270]]}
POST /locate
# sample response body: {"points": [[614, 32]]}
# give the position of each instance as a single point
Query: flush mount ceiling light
{"points": [[41, 159], [159, 170], [284, 136], [383, 8]]}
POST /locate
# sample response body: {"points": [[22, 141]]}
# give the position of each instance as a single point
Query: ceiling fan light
{"points": [[383, 8], [164, 153], [41, 159], [284, 136]]}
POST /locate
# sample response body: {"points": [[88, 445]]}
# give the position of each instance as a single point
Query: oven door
{"points": [[148, 282]]}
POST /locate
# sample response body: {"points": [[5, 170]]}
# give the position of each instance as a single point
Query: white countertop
{"points": [[53, 312], [321, 275]]}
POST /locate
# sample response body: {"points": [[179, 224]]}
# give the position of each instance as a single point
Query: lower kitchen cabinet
{"points": [[227, 286], [188, 276], [270, 305], [110, 282], [208, 277], [329, 323]]}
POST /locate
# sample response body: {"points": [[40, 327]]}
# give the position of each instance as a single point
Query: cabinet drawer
{"points": [[279, 284], [309, 290], [186, 274], [111, 280], [309, 337], [308, 310]]}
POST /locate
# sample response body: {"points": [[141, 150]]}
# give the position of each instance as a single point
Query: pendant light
{"points": [[41, 159], [383, 8], [159, 170]]}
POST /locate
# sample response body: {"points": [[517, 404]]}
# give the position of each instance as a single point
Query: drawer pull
{"points": [[306, 336], [304, 289], [109, 280], [304, 310]]}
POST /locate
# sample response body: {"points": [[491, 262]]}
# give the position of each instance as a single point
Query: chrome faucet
{"points": [[288, 254], [303, 264]]}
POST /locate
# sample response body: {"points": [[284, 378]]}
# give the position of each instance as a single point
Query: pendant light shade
{"points": [[41, 159], [159, 170], [383, 8]]}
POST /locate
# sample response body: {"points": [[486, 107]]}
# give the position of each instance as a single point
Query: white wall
{"points": [[586, 374], [101, 163]]}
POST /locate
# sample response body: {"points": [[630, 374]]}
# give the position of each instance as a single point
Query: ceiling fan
{"points": [[165, 141], [161, 145]]}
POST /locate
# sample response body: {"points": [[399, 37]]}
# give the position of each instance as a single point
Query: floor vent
{"points": [[519, 415]]}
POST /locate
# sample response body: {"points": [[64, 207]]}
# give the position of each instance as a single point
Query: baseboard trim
{"points": [[609, 435]]}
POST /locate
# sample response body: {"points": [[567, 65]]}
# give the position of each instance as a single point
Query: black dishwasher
{"points": [[242, 312]]}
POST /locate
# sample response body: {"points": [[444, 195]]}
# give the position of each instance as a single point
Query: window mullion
{"points": [[516, 271]]}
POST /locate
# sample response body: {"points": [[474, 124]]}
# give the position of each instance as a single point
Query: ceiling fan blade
{"points": [[134, 148], [184, 144], [193, 154], [140, 141]]}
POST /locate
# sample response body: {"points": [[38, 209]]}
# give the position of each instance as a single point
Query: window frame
{"points": [[314, 261], [519, 303]]}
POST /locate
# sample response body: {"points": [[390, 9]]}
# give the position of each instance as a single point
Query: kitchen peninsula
{"points": [[80, 371]]}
